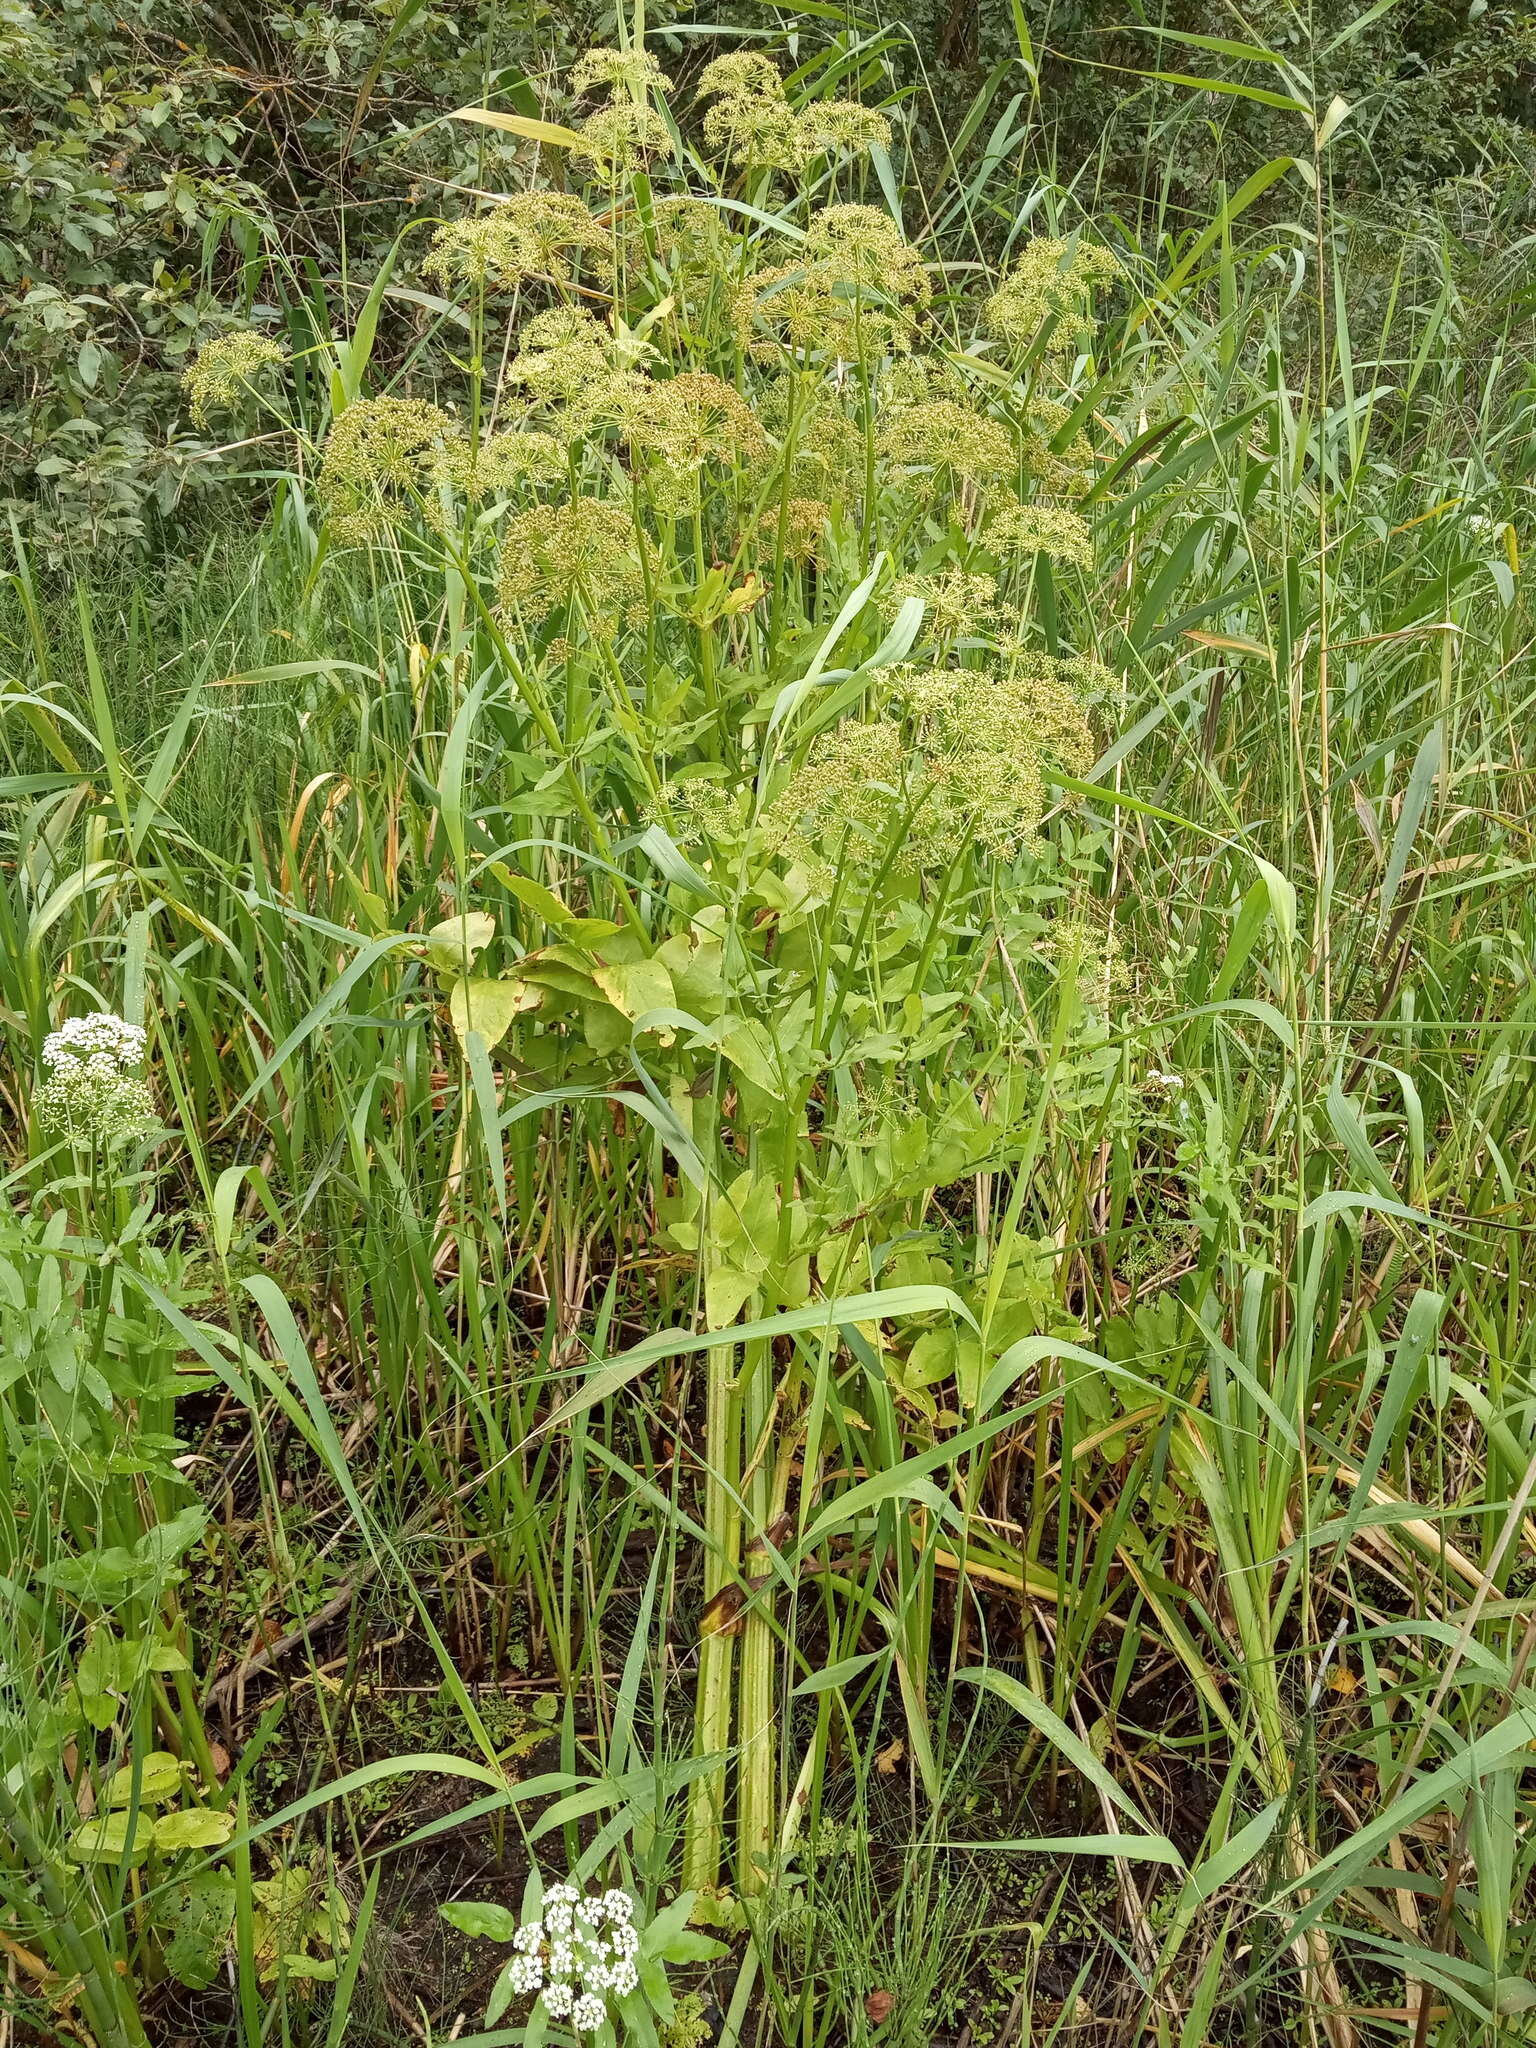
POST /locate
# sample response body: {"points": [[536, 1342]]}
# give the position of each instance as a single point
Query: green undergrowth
{"points": [[822, 1214]]}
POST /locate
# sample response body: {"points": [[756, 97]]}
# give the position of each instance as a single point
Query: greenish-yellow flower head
{"points": [[377, 461], [955, 600], [1015, 531], [226, 369], [588, 551], [845, 801], [842, 128], [854, 290], [533, 234], [1049, 283], [633, 71], [687, 422], [939, 445], [623, 138]]}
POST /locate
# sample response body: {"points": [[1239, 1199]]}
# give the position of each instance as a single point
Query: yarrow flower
{"points": [[224, 370], [526, 1973], [90, 1091], [577, 1955]]}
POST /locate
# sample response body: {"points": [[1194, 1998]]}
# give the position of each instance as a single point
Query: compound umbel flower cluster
{"points": [[91, 1091], [578, 1954]]}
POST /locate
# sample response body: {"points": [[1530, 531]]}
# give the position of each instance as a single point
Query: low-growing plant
{"points": [[588, 1959]]}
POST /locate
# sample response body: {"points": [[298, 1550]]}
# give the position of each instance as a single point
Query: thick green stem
{"points": [[722, 1522], [105, 1996], [756, 1773]]}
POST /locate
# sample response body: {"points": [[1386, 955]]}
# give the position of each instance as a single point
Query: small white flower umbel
{"points": [[578, 1954], [91, 1091]]}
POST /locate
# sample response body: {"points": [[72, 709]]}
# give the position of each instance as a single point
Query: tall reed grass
{"points": [[834, 941]]}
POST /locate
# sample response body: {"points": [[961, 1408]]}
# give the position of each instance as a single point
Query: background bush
{"points": [[168, 168]]}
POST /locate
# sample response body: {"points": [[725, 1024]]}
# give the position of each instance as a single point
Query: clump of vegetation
{"points": [[765, 1120]]}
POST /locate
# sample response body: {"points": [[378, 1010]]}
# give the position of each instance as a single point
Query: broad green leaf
{"points": [[193, 1828], [686, 1946], [634, 986], [453, 944], [481, 1918], [197, 1914], [113, 1838], [749, 1048], [479, 1003], [544, 903], [726, 1288], [159, 1779]]}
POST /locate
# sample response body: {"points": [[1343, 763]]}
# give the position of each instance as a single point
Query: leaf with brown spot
{"points": [[722, 1614]]}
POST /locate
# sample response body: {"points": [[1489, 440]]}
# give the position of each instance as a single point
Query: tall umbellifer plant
{"points": [[746, 549]]}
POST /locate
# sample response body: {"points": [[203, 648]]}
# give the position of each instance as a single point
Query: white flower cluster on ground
{"points": [[578, 1954], [90, 1091]]}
